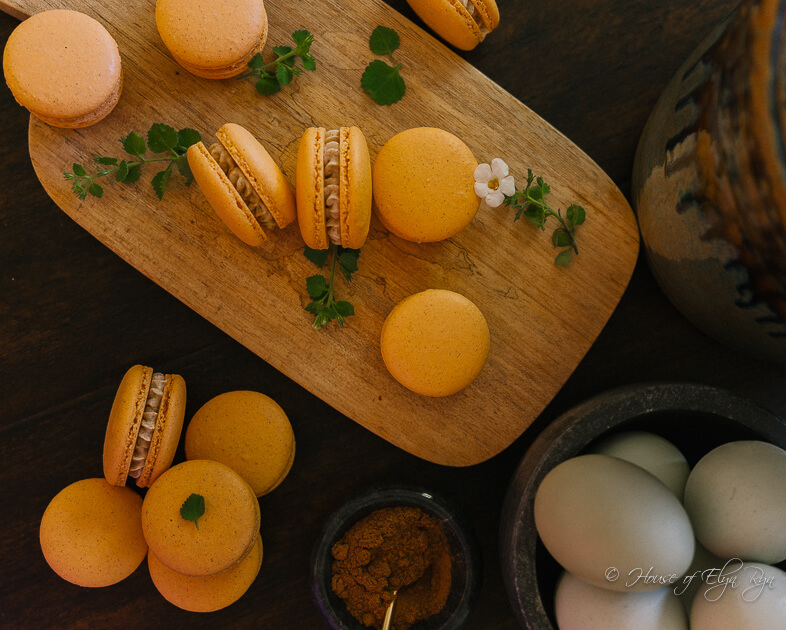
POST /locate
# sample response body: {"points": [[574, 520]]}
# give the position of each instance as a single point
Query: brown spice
{"points": [[393, 548]]}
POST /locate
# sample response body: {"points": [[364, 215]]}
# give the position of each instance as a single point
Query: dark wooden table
{"points": [[74, 317]]}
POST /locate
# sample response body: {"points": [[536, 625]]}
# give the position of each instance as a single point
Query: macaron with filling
{"points": [[213, 39], [91, 533], [206, 593], [243, 184], [144, 426], [435, 342], [424, 185], [333, 187], [221, 537], [247, 431], [462, 23], [64, 67]]}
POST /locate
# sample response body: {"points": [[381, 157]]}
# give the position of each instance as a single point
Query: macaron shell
{"points": [[450, 20], [488, 12], [84, 83], [223, 197], [206, 593], [310, 188], [227, 530], [435, 342], [261, 171], [423, 185], [91, 533], [247, 431], [212, 38], [356, 197], [166, 435], [125, 418]]}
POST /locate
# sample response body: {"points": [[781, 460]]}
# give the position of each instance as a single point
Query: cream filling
{"points": [[242, 185], [332, 186], [473, 13], [149, 417]]}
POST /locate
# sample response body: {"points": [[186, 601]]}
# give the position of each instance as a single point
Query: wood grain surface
{"points": [[74, 316], [543, 318]]}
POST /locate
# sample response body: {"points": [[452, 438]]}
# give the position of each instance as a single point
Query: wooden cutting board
{"points": [[543, 318]]}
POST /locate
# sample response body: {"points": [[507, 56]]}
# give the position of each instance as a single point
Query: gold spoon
{"points": [[389, 613]]}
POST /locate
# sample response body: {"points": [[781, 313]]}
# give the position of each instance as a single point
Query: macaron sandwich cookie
{"points": [[243, 184], [424, 185], [64, 67], [213, 39], [435, 342], [462, 23], [144, 426], [333, 187], [248, 432]]}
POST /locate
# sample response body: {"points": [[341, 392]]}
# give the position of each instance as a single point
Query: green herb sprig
{"points": [[281, 71], [193, 507], [160, 139], [324, 306], [382, 81], [531, 204]]}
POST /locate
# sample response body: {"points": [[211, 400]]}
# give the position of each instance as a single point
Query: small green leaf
{"points": [[193, 507], [284, 74], [268, 85], [161, 138], [134, 144], [383, 82], [256, 61], [79, 170], [68, 176], [186, 137], [308, 62], [185, 169], [316, 287], [348, 262], [345, 309], [161, 179], [576, 215], [383, 40], [96, 190], [122, 171], [314, 307], [564, 257], [108, 161], [302, 37], [317, 256], [134, 173], [560, 238], [282, 50]]}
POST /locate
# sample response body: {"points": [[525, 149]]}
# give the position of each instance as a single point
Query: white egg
{"points": [[736, 500], [651, 452], [744, 596], [582, 606], [613, 524], [690, 583]]}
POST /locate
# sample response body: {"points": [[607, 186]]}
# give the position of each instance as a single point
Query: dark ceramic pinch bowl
{"points": [[695, 418], [465, 556]]}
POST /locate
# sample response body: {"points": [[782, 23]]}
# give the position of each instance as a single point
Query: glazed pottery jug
{"points": [[709, 183]]}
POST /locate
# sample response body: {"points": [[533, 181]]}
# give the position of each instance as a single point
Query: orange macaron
{"points": [[247, 431], [91, 533], [243, 184], [435, 342], [424, 185], [333, 187], [64, 67], [213, 39], [144, 426], [462, 23], [221, 537]]}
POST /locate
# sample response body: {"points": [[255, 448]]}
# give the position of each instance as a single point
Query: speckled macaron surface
{"points": [[226, 531], [64, 67], [435, 342], [206, 593], [91, 533], [423, 185], [212, 38], [247, 431]]}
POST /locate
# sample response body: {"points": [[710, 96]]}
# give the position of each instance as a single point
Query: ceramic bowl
{"points": [[465, 555], [695, 418]]}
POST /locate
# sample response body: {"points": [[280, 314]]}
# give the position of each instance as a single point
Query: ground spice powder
{"points": [[393, 548]]}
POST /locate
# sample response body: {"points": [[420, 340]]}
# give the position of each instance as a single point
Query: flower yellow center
{"points": [[494, 184]]}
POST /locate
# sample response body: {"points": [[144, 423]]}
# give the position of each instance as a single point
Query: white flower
{"points": [[492, 183]]}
